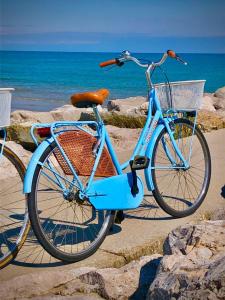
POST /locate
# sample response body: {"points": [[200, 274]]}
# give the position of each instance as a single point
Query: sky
{"points": [[190, 26]]}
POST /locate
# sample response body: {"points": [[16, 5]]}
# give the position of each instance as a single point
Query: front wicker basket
{"points": [[181, 95], [78, 146]]}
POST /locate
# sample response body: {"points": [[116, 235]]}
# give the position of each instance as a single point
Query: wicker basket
{"points": [[5, 106], [78, 146], [180, 95]]}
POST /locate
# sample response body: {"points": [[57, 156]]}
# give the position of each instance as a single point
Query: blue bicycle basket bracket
{"points": [[114, 193]]}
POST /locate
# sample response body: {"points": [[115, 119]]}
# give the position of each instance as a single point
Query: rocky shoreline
{"points": [[192, 267], [127, 113], [133, 106]]}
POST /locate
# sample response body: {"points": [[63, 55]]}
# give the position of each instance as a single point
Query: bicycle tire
{"points": [[45, 227], [15, 225], [164, 197]]}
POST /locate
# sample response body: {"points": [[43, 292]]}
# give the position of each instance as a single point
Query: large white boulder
{"points": [[207, 102], [126, 106], [220, 93]]}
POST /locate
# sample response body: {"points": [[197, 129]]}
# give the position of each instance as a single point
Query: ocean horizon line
{"points": [[116, 52]]}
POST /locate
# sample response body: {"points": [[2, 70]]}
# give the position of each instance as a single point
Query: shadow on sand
{"points": [[34, 256], [223, 191]]}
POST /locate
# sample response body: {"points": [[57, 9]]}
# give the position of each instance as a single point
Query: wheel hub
{"points": [[182, 168], [73, 196]]}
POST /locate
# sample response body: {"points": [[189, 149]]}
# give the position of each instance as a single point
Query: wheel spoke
{"points": [[13, 210], [69, 226], [178, 190]]}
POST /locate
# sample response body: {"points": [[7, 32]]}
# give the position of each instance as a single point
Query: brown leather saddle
{"points": [[87, 99]]}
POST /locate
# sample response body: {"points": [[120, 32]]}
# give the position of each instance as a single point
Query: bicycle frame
{"points": [[153, 126]]}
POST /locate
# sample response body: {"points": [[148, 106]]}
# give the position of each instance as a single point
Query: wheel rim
{"points": [[13, 207], [70, 227], [181, 189]]}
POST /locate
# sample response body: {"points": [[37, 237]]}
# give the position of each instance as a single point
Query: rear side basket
{"points": [[78, 146]]}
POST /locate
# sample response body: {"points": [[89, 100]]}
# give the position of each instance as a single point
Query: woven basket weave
{"points": [[78, 146], [181, 95]]}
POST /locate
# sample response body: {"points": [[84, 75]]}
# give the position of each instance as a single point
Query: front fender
{"points": [[33, 163], [148, 153]]}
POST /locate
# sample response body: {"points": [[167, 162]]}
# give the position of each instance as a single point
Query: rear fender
{"points": [[35, 159]]}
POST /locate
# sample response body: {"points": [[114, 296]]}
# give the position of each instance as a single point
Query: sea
{"points": [[46, 80]]}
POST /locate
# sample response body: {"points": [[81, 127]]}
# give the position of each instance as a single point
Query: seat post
{"points": [[97, 114]]}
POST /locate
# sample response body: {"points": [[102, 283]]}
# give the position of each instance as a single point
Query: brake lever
{"points": [[119, 63], [181, 60]]}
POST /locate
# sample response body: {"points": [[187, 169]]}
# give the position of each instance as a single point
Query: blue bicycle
{"points": [[75, 183]]}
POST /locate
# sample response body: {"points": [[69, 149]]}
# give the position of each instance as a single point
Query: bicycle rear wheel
{"points": [[14, 223], [180, 192], [68, 229]]}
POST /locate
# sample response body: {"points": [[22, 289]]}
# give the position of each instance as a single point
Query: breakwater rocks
{"points": [[133, 106], [127, 113], [192, 267], [7, 169]]}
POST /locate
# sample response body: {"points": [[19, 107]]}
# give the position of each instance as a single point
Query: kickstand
{"points": [[118, 219]]}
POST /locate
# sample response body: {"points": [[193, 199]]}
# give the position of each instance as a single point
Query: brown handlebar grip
{"points": [[171, 53], [108, 63]]}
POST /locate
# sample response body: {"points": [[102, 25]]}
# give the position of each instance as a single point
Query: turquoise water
{"points": [[45, 80]]}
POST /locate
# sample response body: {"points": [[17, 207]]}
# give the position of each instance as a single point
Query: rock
{"points": [[220, 93], [23, 154], [205, 234], [122, 138], [211, 102], [67, 113], [76, 296], [20, 133], [219, 103], [22, 116], [122, 283], [132, 280], [208, 120], [207, 103], [41, 283], [219, 99], [193, 265], [7, 169], [126, 106], [64, 113], [144, 108], [211, 287]]}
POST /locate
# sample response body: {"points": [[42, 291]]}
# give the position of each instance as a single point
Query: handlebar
{"points": [[108, 63], [126, 56]]}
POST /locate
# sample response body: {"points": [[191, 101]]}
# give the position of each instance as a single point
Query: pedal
{"points": [[119, 217], [139, 163]]}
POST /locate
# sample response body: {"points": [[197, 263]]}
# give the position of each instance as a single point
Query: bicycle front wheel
{"points": [[14, 223], [69, 229], [179, 191]]}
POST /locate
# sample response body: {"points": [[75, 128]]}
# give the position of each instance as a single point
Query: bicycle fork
{"points": [[184, 164]]}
